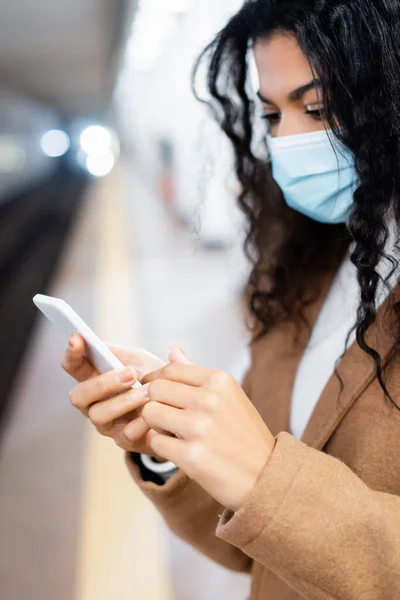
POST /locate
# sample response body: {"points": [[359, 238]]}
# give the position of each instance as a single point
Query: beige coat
{"points": [[323, 521]]}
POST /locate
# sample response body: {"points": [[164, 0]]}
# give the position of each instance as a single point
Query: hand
{"points": [[220, 439], [111, 404]]}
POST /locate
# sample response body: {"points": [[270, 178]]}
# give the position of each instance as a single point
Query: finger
{"points": [[102, 414], [176, 354], [170, 448], [167, 418], [75, 363], [148, 437], [102, 387], [174, 394], [188, 374], [136, 430]]}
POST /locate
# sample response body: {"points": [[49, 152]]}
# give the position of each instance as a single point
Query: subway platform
{"points": [[72, 524]]}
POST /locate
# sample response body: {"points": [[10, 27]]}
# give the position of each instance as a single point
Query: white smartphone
{"points": [[68, 321]]}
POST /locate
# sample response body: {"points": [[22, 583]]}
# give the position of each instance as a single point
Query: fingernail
{"points": [[144, 390], [71, 341], [126, 375]]}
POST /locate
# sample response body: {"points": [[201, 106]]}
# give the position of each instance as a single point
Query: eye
{"points": [[272, 118], [316, 113]]}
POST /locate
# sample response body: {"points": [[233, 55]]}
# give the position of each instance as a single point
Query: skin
{"points": [[200, 419], [283, 72]]}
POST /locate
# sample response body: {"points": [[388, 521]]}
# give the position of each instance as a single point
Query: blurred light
{"points": [[81, 158], [154, 26], [12, 155], [100, 164], [143, 49], [155, 8], [55, 143], [177, 6], [96, 139]]}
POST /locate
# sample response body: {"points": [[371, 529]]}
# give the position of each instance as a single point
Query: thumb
{"points": [[176, 354]]}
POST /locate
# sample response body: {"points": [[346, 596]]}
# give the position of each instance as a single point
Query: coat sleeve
{"points": [[317, 526], [192, 514]]}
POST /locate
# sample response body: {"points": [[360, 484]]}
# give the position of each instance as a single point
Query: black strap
{"points": [[147, 475]]}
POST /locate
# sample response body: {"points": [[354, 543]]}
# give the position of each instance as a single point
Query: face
{"points": [[290, 98]]}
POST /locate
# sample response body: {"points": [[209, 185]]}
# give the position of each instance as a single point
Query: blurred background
{"points": [[116, 194]]}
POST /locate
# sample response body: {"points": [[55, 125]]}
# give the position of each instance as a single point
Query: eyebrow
{"points": [[296, 94]]}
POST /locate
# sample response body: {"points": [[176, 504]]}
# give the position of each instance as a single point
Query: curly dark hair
{"points": [[353, 49]]}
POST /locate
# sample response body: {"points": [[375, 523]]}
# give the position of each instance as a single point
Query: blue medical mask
{"points": [[316, 174]]}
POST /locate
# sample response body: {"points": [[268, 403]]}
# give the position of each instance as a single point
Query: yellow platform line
{"points": [[121, 552]]}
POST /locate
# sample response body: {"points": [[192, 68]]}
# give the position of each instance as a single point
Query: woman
{"points": [[294, 477]]}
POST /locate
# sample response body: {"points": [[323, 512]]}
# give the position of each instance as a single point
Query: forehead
{"points": [[281, 65]]}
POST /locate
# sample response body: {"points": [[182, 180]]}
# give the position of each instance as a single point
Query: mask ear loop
{"points": [[328, 131], [340, 150], [336, 144]]}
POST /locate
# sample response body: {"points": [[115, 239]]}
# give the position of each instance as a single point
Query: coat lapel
{"points": [[275, 361], [357, 371], [276, 358]]}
